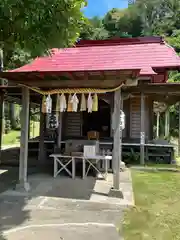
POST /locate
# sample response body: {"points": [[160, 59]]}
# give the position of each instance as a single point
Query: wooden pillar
{"points": [[157, 124], [42, 152], [111, 112], [179, 133], [167, 123], [29, 129], [117, 139], [1, 102], [151, 119], [1, 120], [60, 130], [127, 123], [142, 133], [24, 140]]}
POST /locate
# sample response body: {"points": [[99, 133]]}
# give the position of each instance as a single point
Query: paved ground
{"points": [[62, 209], [46, 217]]}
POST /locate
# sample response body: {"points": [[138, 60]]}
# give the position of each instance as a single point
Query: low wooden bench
{"points": [[93, 162], [63, 161]]}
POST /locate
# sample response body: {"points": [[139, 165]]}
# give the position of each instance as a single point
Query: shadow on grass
{"points": [[12, 213]]}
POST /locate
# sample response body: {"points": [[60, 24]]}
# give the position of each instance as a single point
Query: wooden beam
{"points": [[117, 139], [86, 76], [70, 75], [24, 140], [154, 88], [142, 130], [103, 75]]}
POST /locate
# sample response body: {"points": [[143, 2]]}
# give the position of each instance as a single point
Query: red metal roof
{"points": [[119, 54]]}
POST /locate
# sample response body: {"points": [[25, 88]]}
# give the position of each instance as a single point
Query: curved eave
{"points": [[99, 79]]}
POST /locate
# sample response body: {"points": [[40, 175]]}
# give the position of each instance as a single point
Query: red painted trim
{"points": [[119, 41]]}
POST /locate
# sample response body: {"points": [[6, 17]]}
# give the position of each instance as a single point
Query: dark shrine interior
{"points": [[98, 121]]}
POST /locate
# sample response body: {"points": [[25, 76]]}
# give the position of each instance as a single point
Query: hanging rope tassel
{"points": [[43, 106], [58, 103], [95, 103], [48, 104], [69, 108], [63, 104], [83, 106], [74, 90], [74, 101], [89, 103]]}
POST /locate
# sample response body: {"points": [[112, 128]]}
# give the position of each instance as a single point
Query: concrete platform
{"points": [[63, 208], [66, 232], [90, 189], [46, 217]]}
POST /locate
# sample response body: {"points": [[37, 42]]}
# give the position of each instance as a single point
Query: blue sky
{"points": [[101, 7]]}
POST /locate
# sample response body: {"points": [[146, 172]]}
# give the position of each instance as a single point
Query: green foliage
{"points": [[174, 40], [174, 76], [7, 122], [94, 29], [18, 58], [159, 16], [35, 114], [35, 26], [14, 116], [123, 23], [7, 128], [131, 157], [130, 22]]}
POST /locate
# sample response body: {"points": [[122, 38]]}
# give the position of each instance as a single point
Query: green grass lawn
{"points": [[156, 165], [157, 211], [13, 137]]}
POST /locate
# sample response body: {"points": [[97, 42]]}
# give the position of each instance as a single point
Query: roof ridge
{"points": [[120, 41]]}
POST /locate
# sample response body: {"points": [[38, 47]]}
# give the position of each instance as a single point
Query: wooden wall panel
{"points": [[72, 124], [135, 117]]}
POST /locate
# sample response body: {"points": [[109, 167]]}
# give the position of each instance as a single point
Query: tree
{"points": [[123, 22], [174, 40], [35, 26], [159, 16], [94, 29], [111, 22], [18, 58], [130, 22], [170, 17]]}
